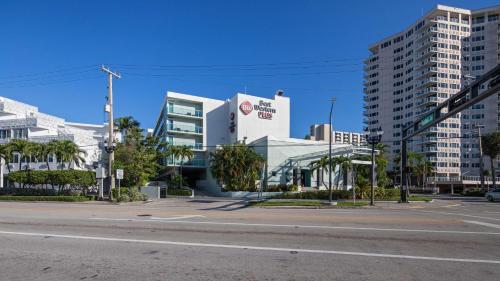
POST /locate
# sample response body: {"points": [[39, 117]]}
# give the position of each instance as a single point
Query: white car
{"points": [[493, 195]]}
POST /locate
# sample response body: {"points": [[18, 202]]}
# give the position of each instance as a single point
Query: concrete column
{"points": [[452, 190]]}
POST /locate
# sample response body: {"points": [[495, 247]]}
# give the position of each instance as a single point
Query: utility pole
{"points": [[330, 153], [110, 149], [481, 162], [373, 139]]}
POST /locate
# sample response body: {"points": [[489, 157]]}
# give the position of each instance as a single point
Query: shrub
{"points": [[132, 193], [178, 192], [282, 188], [474, 192], [44, 198], [124, 198], [75, 179]]}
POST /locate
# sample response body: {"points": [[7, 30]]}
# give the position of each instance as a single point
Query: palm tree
{"points": [[70, 152], [124, 124], [183, 152], [320, 166], [6, 154], [23, 148], [491, 147], [344, 164]]}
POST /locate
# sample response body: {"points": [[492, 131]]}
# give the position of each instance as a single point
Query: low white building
{"points": [[22, 121], [262, 123]]}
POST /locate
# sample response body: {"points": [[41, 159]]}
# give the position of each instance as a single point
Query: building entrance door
{"points": [[306, 177]]}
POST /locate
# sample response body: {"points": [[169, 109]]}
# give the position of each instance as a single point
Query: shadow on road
{"points": [[233, 206]]}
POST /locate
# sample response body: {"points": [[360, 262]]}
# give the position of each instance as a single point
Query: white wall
{"points": [[252, 126]]}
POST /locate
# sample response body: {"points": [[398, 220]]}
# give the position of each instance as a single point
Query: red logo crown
{"points": [[246, 107]]}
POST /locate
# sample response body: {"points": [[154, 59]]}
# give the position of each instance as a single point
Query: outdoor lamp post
{"points": [[330, 153], [373, 138]]}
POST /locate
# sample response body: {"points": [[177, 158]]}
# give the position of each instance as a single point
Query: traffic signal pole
{"points": [[462, 100]]}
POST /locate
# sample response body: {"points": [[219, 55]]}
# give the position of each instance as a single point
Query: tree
{"points": [[139, 157], [125, 124], [70, 153], [491, 148], [23, 148], [6, 154], [344, 164], [381, 162], [181, 152], [236, 167], [321, 165]]}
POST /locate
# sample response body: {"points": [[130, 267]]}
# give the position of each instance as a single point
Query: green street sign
{"points": [[426, 120]]}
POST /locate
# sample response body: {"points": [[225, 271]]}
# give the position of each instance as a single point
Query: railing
{"points": [[461, 178], [197, 146], [185, 128], [184, 111], [18, 123], [188, 163]]}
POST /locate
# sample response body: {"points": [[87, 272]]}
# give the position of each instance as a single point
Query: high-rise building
{"points": [[319, 132], [411, 72]]}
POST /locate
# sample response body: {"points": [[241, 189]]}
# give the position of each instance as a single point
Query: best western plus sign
{"points": [[264, 109], [246, 107]]}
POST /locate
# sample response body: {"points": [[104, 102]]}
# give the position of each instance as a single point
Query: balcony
{"points": [[187, 163], [185, 112], [195, 146], [430, 149], [427, 101], [18, 123], [185, 129]]}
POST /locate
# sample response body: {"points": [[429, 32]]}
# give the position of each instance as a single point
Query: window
{"points": [[4, 134]]}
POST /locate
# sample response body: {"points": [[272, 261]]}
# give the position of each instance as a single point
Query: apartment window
{"points": [[478, 28], [19, 133], [464, 28], [443, 25], [493, 17], [477, 20], [454, 27], [477, 58], [478, 38], [4, 134]]}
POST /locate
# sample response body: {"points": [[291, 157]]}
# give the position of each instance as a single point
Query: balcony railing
{"points": [[188, 163], [196, 146], [185, 111], [185, 128]]}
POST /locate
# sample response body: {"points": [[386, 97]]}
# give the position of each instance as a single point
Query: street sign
{"points": [[119, 174], [427, 120]]}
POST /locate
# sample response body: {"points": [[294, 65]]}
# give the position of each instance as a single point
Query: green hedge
{"points": [[380, 194], [282, 188], [178, 192], [129, 194], [45, 198], [73, 178]]}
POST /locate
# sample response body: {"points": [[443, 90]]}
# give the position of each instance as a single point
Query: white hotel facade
{"points": [[409, 73], [204, 124], [23, 121]]}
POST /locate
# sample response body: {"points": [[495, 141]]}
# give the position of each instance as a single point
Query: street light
{"points": [[330, 154], [373, 138]]}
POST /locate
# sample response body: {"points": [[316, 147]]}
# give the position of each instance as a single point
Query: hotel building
{"points": [[264, 124], [409, 73], [22, 121]]}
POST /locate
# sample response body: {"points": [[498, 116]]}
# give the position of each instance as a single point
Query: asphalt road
{"points": [[215, 239]]}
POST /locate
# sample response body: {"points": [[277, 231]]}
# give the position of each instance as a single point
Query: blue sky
{"points": [[313, 50]]}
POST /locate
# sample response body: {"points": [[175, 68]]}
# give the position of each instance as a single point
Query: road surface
{"points": [[216, 239]]}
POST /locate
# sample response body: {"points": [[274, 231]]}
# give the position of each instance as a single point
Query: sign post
{"points": [[119, 177]]}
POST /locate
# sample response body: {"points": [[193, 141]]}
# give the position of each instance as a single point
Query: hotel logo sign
{"points": [[264, 109], [246, 107]]}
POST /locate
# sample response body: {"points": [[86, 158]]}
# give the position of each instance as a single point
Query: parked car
{"points": [[493, 195]]}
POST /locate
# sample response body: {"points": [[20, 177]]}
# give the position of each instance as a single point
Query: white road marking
{"points": [[484, 224], [463, 215], [305, 226], [177, 218], [246, 247]]}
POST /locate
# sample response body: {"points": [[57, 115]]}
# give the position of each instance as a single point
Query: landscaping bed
{"points": [[61, 198]]}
